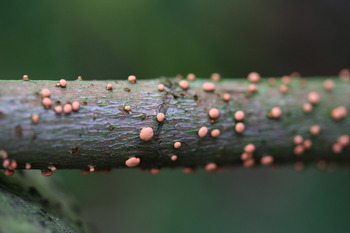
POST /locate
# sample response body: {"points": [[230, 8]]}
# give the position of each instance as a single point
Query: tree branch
{"points": [[103, 135]]}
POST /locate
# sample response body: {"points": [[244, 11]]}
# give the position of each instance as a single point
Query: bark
{"points": [[102, 134]]}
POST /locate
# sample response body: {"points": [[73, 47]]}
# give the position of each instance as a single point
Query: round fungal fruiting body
{"points": [[35, 118], [313, 97], [28, 166], [252, 88], [25, 77], [299, 150], [344, 75], [211, 167], [298, 139], [6, 163], [45, 92], [132, 78], [285, 80], [184, 84], [271, 81], [328, 84], [127, 108], [283, 88], [203, 131], [177, 145], [63, 83], [344, 140], [13, 165], [276, 112], [254, 77], [315, 130], [227, 97], [307, 107], [337, 148], [239, 115], [3, 154], [208, 87], [52, 168], [109, 86], [191, 76], [67, 109], [307, 144], [173, 157], [246, 156], [58, 109], [160, 117], [215, 77], [214, 113], [239, 127], [189, 170], [92, 168], [161, 87], [80, 78], [215, 133], [250, 148], [132, 162], [46, 172], [9, 172], [75, 106], [146, 134], [154, 171], [266, 160], [249, 163], [47, 102], [339, 113]]}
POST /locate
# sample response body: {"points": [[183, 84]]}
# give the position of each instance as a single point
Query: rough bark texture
{"points": [[102, 134]]}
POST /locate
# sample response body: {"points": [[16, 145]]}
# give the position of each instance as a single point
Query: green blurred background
{"points": [[112, 39]]}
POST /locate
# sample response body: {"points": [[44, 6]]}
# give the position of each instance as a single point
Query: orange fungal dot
{"points": [[45, 92], [250, 148], [266, 160], [75, 106], [307, 107], [202, 132], [328, 84], [239, 127], [313, 97], [283, 88], [254, 77], [35, 118], [177, 145], [58, 109], [239, 115], [344, 140], [160, 117], [299, 150], [298, 139], [63, 83], [191, 76], [47, 102], [209, 87], [132, 162], [28, 166], [161, 87], [252, 88], [109, 86], [214, 113], [337, 148], [227, 97], [315, 130], [127, 108], [46, 172], [146, 134], [173, 157], [215, 77], [276, 112], [215, 133], [307, 144], [9, 172], [132, 78], [25, 77], [211, 167], [184, 84], [67, 109]]}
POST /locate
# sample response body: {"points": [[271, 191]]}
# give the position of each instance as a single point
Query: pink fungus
{"points": [[75, 106], [249, 163], [239, 127], [299, 150], [328, 84], [161, 87], [127, 108], [266, 160], [173, 157], [298, 139], [28, 166], [47, 102], [160, 117], [254, 77], [209, 87], [211, 167], [63, 83], [67, 109], [283, 88], [154, 171], [227, 97], [344, 140], [252, 88], [271, 81], [315, 130], [250, 148], [58, 109], [313, 97], [276, 112], [25, 77], [214, 113], [202, 132], [132, 162], [146, 134], [177, 145], [109, 86], [285, 80], [215, 133], [215, 77], [9, 172], [307, 108], [184, 84], [307, 144], [132, 78], [35, 118], [46, 172], [45, 92], [191, 76], [3, 154], [239, 115], [337, 148]]}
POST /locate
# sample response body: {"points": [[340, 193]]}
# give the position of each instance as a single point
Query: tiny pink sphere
{"points": [[271, 81], [127, 108], [28, 166], [161, 87], [6, 163], [315, 130], [337, 148], [276, 112], [215, 77], [298, 139], [344, 140], [246, 156], [58, 109], [63, 83], [109, 86], [286, 80], [307, 144], [307, 107], [146, 134], [35, 118], [202, 132], [248, 163], [214, 113], [132, 78], [45, 92], [283, 88], [239, 127], [184, 84], [328, 84], [252, 88], [266, 160], [211, 167], [339, 113], [3, 154], [209, 87], [344, 75], [154, 171], [254, 77], [215, 133], [191, 76], [47, 102], [132, 162], [239, 115], [75, 106], [25, 77], [67, 108], [250, 148], [227, 97], [177, 145], [299, 150], [313, 97], [173, 157], [160, 117], [80, 78]]}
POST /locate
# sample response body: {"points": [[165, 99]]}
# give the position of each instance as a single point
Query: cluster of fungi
{"points": [[301, 144]]}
